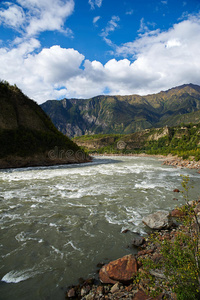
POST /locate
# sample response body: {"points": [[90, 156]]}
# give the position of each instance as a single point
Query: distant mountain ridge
{"points": [[125, 114], [27, 135]]}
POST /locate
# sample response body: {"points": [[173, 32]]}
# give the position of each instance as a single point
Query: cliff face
{"points": [[27, 135], [125, 114]]}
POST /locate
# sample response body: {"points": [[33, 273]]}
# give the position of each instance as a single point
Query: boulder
{"points": [[197, 208], [120, 270], [138, 241], [158, 220], [71, 293]]}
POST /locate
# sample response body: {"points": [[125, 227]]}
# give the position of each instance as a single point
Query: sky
{"points": [[54, 49]]}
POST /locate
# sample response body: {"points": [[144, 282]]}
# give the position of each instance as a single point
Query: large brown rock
{"points": [[120, 270]]}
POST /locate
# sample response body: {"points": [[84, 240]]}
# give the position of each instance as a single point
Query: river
{"points": [[58, 223]]}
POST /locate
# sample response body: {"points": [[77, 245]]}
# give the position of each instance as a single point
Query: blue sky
{"points": [[82, 48]]}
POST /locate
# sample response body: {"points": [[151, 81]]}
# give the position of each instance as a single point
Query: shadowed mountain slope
{"points": [[27, 135], [125, 114]]}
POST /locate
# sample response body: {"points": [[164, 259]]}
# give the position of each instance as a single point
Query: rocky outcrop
{"points": [[182, 163], [158, 220], [120, 270], [159, 133]]}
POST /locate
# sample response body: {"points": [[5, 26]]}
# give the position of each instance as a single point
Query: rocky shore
{"points": [[181, 163], [168, 160], [116, 278]]}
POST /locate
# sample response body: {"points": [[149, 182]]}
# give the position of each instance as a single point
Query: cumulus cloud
{"points": [[13, 16], [156, 60], [35, 16], [94, 3], [41, 76]]}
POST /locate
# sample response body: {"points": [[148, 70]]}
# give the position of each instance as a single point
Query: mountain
{"points": [[27, 135], [125, 114]]}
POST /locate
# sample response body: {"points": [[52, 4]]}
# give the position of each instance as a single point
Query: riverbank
{"points": [[135, 290], [168, 160], [43, 160], [181, 163]]}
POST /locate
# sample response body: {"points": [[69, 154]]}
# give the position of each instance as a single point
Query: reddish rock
{"points": [[140, 295], [125, 231], [71, 293], [177, 213], [144, 252], [157, 257], [120, 270], [100, 290], [129, 288], [176, 191]]}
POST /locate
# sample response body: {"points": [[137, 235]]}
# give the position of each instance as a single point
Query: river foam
{"points": [[58, 222]]}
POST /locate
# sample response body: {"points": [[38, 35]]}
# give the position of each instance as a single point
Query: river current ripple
{"points": [[58, 223]]}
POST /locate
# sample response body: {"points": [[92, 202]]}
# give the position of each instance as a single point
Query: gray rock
{"points": [[158, 220], [138, 241], [157, 273]]}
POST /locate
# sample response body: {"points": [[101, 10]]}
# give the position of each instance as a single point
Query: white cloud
{"points": [[35, 16], [55, 65], [173, 43], [94, 3], [13, 16], [40, 75], [129, 12], [111, 26], [95, 20], [143, 26], [155, 61]]}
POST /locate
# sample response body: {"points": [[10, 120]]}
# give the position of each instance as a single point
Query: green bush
{"points": [[180, 261]]}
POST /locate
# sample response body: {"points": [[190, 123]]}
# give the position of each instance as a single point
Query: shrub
{"points": [[181, 257]]}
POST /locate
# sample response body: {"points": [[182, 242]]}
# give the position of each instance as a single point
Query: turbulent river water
{"points": [[58, 223]]}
